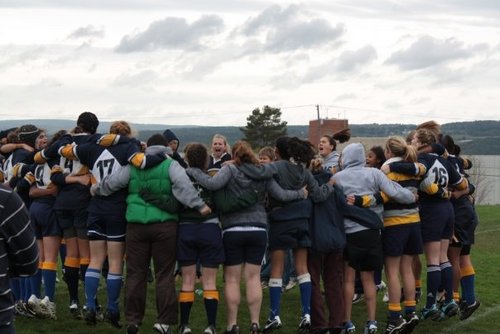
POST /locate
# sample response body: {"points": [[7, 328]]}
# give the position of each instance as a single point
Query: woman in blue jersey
{"points": [[466, 221], [401, 239], [199, 239], [106, 219], [289, 225], [72, 179], [437, 217]]}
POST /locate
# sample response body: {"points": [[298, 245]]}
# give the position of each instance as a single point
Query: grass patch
{"points": [[486, 259]]}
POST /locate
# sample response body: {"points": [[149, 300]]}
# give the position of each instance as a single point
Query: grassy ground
{"points": [[486, 257]]}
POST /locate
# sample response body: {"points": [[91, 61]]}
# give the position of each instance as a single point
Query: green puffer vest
{"points": [[157, 181]]}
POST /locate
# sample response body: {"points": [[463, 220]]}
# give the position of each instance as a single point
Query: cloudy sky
{"points": [[212, 62]]}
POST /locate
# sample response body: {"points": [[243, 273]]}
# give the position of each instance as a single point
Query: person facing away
{"points": [[18, 249]]}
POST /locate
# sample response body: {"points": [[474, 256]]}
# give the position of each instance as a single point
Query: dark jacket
{"points": [[327, 219], [18, 249]]}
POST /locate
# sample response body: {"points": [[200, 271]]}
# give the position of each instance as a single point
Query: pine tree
{"points": [[264, 127]]}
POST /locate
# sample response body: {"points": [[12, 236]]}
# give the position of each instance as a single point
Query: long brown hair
{"points": [[120, 128], [242, 153]]}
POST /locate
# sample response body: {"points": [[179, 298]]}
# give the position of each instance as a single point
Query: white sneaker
{"points": [[381, 286], [162, 328], [48, 308], [34, 306], [385, 298]]}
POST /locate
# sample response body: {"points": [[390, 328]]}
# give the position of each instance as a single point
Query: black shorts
{"points": [[405, 239], [363, 250], [465, 220], [244, 246], [437, 220], [44, 219], [106, 227], [73, 223], [200, 241], [289, 235]]}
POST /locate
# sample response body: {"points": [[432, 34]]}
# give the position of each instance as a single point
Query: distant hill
{"points": [[478, 137]]}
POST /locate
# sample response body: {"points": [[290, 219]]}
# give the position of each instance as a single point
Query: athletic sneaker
{"points": [[305, 324], [90, 317], [48, 308], [385, 298], [412, 321], [33, 306], [162, 328], [209, 330], [348, 328], [290, 285], [234, 330], [21, 309], [449, 309], [113, 318], [381, 286], [441, 296], [467, 310], [370, 327], [272, 324], [254, 328], [132, 329], [431, 313], [358, 297], [394, 325], [75, 310], [264, 284], [184, 329]]}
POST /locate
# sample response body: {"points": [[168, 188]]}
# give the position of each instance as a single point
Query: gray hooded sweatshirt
{"points": [[356, 179], [238, 178]]}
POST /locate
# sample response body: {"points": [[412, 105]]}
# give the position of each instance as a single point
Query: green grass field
{"points": [[486, 258]]}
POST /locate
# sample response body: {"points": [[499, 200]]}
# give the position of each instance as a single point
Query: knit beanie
{"points": [[169, 135], [28, 133], [88, 122]]}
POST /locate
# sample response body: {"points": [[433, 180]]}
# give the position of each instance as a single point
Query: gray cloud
{"points": [[16, 56], [172, 33], [141, 79], [351, 60], [428, 51], [348, 62], [289, 29], [85, 32]]}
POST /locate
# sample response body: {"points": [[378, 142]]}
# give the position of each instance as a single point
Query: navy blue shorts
{"points": [[200, 241], [44, 219], [437, 220], [363, 250], [244, 247], [289, 235], [106, 227], [465, 220], [73, 223], [401, 240]]}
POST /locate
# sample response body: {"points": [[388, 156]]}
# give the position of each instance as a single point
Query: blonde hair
{"points": [[425, 137], [120, 128], [219, 136], [267, 151], [399, 148]]}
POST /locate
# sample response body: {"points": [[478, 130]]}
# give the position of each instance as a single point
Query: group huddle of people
{"points": [[116, 203]]}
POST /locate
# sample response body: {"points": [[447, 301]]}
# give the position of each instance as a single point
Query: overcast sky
{"points": [[212, 62]]}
